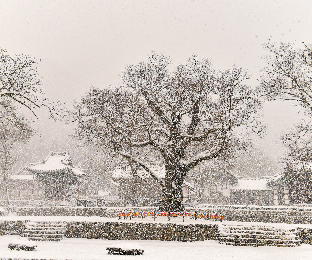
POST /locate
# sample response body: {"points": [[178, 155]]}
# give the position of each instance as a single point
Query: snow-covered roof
{"points": [[251, 184], [55, 162], [77, 172], [22, 177]]}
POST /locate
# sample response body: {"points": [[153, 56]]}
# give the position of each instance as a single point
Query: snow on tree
{"points": [[20, 82], [19, 89], [288, 73], [13, 128], [287, 76], [173, 119], [298, 169]]}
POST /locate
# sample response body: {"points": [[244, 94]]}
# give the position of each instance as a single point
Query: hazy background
{"points": [[88, 43]]}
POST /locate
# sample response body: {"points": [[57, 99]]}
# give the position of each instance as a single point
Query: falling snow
{"points": [[110, 148]]}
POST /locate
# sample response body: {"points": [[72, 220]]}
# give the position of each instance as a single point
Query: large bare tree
{"points": [[174, 120]]}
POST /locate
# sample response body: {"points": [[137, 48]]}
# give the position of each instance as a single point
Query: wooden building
{"points": [[262, 191], [58, 176]]}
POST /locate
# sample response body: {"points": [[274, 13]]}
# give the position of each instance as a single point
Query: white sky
{"points": [[89, 43]]}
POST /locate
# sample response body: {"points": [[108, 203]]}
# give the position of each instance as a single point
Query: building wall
{"points": [[252, 197], [24, 192]]}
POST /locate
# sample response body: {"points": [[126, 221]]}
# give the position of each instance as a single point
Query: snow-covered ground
{"points": [[177, 220], [78, 248]]}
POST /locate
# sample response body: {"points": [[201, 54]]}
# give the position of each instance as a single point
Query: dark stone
{"points": [[21, 247], [120, 251]]}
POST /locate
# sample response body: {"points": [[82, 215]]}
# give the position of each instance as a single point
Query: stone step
{"points": [[239, 235], [44, 231]]}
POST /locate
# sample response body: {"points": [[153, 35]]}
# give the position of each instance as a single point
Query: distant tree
{"points": [[288, 73], [298, 170], [13, 129], [20, 84], [19, 88], [176, 120], [287, 76]]}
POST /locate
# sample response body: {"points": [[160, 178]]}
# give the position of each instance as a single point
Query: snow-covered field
{"points": [[78, 248]]}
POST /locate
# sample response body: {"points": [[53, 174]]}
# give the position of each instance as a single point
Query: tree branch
{"points": [[195, 118], [201, 157], [23, 104], [142, 164], [156, 109], [141, 144], [201, 137]]}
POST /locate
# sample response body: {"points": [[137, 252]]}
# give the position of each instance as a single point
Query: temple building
{"points": [[261, 191], [59, 177]]}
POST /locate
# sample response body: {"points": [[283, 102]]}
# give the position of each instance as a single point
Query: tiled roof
{"points": [[55, 162]]}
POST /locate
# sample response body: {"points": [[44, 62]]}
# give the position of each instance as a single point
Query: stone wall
{"points": [[126, 231], [11, 227], [141, 231], [289, 216], [61, 211]]}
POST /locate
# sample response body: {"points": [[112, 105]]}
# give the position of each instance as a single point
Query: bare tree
{"points": [[13, 129], [19, 88], [167, 120], [288, 74], [20, 84]]}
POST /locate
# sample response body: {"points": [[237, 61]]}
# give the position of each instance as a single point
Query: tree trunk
{"points": [[172, 194]]}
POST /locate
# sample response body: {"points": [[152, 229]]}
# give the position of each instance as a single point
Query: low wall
{"points": [[126, 231], [266, 215], [141, 231], [305, 234], [11, 227], [61, 211]]}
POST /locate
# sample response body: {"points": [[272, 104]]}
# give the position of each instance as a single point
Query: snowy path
{"points": [[148, 220], [96, 249]]}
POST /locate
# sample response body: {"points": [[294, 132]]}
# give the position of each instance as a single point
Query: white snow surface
{"points": [[251, 184], [52, 163], [159, 219], [22, 177], [80, 248], [21, 241]]}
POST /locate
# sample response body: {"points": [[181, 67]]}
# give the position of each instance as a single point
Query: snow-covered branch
{"points": [[205, 155], [143, 165], [155, 108]]}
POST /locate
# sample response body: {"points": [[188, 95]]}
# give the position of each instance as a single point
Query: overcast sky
{"points": [[89, 43]]}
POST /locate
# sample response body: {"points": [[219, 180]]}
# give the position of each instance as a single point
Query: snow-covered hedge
{"points": [[305, 234], [268, 215], [141, 231], [61, 211], [11, 227]]}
